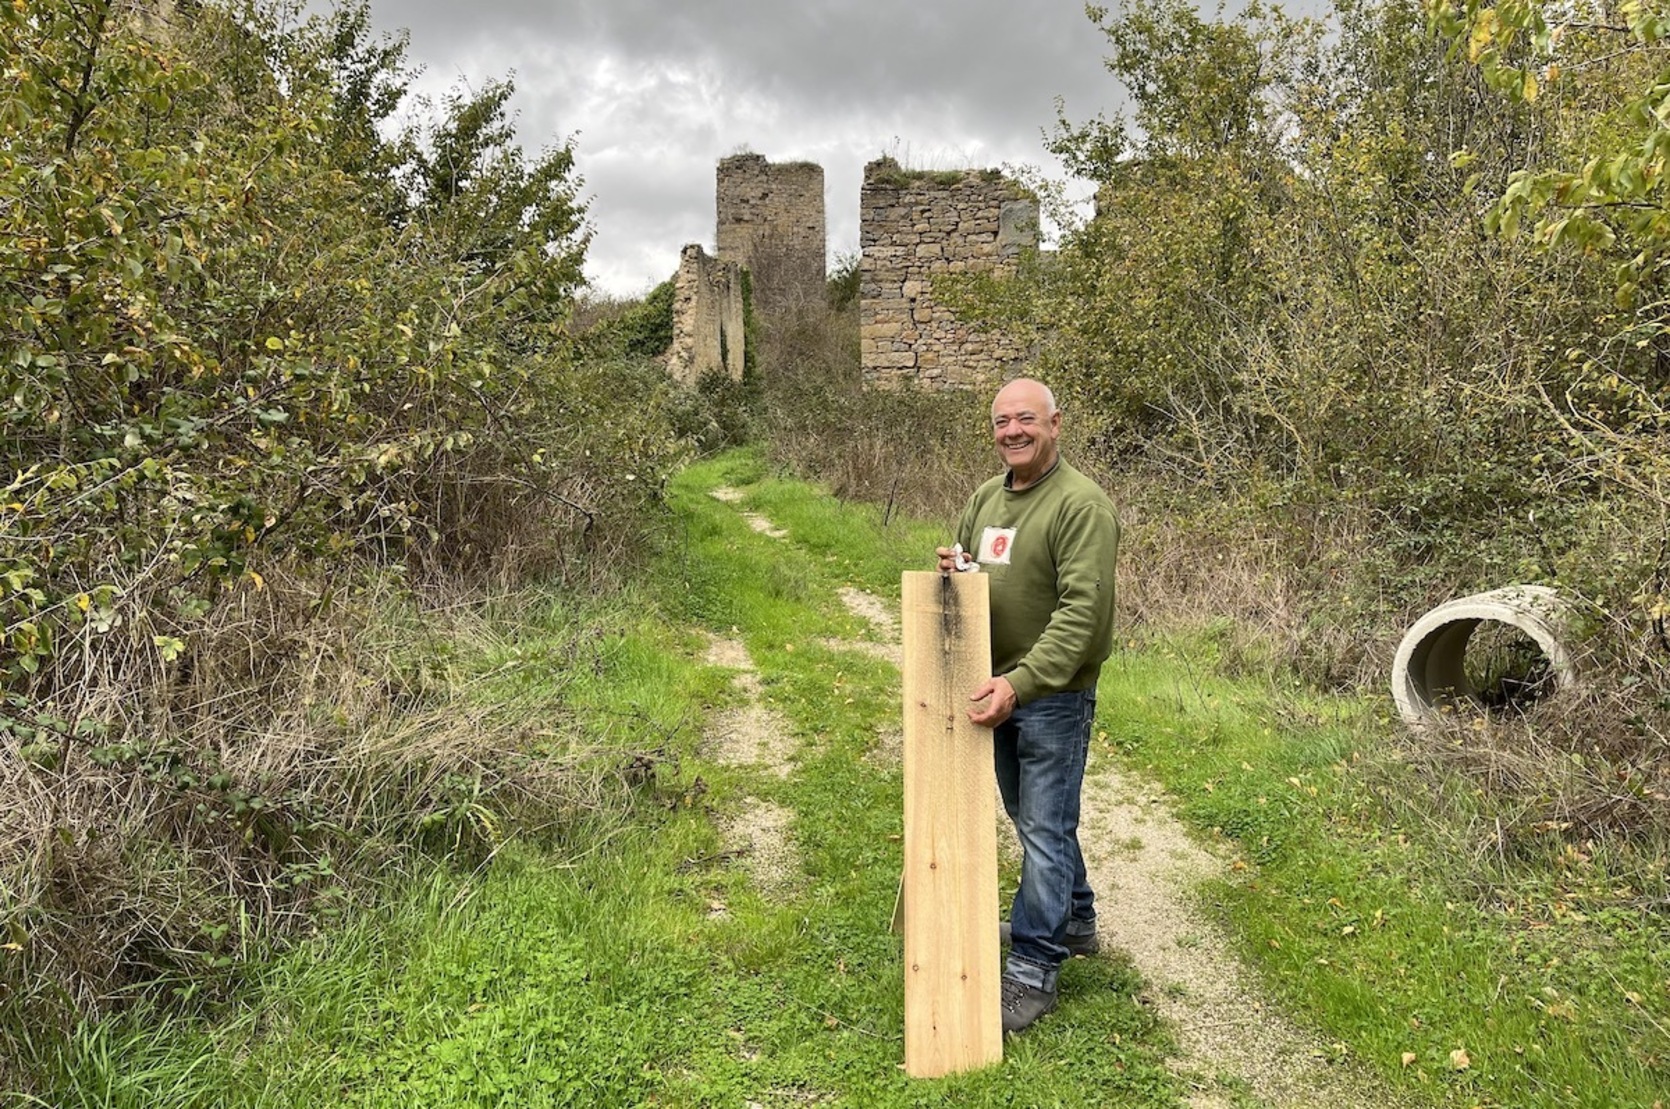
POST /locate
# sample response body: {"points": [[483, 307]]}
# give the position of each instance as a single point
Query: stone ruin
{"points": [[707, 318], [771, 222], [915, 227]]}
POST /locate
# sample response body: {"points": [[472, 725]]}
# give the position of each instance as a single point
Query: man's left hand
{"points": [[999, 698]]}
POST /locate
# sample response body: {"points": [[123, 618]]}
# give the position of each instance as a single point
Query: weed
{"points": [[887, 172]]}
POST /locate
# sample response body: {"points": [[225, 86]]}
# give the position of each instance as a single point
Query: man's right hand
{"points": [[999, 698], [947, 559]]}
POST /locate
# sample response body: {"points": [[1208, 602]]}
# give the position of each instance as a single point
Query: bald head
{"points": [[1034, 392], [1025, 425]]}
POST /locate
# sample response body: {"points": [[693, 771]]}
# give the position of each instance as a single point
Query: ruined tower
{"points": [[771, 221], [917, 226], [708, 332]]}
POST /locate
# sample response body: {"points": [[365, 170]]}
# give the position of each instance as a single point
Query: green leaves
{"points": [[1617, 129], [1594, 188], [236, 323]]}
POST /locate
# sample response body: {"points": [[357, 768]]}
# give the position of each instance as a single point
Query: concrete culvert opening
{"points": [[1500, 653], [1506, 669]]}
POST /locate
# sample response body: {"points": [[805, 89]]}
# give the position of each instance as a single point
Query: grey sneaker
{"points": [[1085, 943], [1023, 1004]]}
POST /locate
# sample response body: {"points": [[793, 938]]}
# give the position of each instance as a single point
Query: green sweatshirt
{"points": [[1049, 553]]}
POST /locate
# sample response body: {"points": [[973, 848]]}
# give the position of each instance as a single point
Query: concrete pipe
{"points": [[1430, 670]]}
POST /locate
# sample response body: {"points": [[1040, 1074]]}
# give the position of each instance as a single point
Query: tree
{"points": [[1598, 192], [236, 322], [1150, 288], [255, 355]]}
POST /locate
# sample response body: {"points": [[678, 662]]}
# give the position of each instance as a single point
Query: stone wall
{"points": [[771, 220], [707, 318], [915, 227]]}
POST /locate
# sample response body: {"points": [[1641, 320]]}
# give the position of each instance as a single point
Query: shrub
{"points": [[263, 366], [912, 451], [640, 329]]}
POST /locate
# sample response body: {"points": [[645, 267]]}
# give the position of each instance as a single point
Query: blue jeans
{"points": [[1040, 753]]}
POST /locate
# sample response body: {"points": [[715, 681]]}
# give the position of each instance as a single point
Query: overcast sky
{"points": [[655, 92]]}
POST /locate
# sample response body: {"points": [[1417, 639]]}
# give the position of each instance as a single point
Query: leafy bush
{"points": [[1288, 300], [717, 412], [844, 282], [1329, 383], [912, 451], [260, 361], [642, 329]]}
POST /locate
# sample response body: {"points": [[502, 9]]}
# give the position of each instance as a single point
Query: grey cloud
{"points": [[656, 91]]}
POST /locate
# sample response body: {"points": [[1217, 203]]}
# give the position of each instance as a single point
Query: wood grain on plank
{"points": [[952, 1020]]}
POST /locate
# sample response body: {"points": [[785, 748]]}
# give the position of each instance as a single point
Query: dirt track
{"points": [[1238, 1048]]}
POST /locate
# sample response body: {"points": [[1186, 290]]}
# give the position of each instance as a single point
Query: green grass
{"points": [[1355, 897], [638, 964], [646, 968]]}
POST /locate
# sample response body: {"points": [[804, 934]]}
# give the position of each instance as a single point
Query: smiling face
{"points": [[1025, 426]]}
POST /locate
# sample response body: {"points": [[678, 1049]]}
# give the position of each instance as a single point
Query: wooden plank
{"points": [[952, 1018]]}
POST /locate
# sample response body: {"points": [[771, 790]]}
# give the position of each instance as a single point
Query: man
{"points": [[1046, 537]]}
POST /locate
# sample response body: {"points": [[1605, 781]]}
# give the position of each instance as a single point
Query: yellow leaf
{"points": [[1530, 88], [1484, 29], [274, 343], [1408, 1058], [1459, 1059], [257, 580], [83, 602]]}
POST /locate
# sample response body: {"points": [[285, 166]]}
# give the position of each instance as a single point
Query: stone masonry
{"points": [[707, 318], [915, 227], [771, 221]]}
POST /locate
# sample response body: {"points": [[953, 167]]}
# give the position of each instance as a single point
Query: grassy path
{"points": [[728, 944], [1236, 1045], [728, 948]]}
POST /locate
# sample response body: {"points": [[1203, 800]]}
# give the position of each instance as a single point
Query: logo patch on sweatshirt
{"points": [[995, 544]]}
